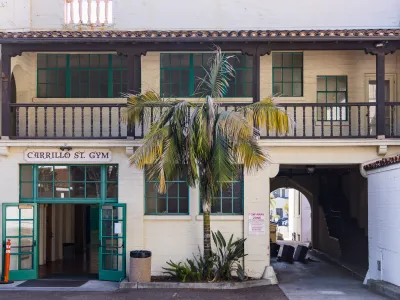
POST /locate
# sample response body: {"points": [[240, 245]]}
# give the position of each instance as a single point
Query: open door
{"points": [[112, 252], [20, 226]]}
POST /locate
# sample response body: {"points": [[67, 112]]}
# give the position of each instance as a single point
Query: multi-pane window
{"points": [[82, 75], [230, 197], [181, 73], [331, 90], [80, 182], [287, 74], [174, 201]]}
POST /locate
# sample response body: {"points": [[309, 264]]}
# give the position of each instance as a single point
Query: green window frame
{"points": [[180, 73], [330, 90], [82, 75], [174, 202], [287, 74], [230, 198], [56, 183]]}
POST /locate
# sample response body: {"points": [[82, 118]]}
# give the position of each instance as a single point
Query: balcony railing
{"points": [[88, 12], [103, 121]]}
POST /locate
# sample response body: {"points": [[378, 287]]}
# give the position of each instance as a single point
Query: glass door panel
{"points": [[112, 251], [19, 226]]}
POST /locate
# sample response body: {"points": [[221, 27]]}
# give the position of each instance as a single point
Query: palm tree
{"points": [[207, 144]]}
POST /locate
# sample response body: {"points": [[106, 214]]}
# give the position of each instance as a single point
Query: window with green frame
{"points": [[96, 183], [174, 201], [82, 75], [330, 90], [287, 74], [230, 198], [180, 73]]}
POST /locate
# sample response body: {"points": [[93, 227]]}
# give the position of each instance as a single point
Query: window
{"points": [[331, 90], [82, 75], [174, 201], [89, 12], [180, 74], [287, 74], [279, 212], [230, 198], [98, 183]]}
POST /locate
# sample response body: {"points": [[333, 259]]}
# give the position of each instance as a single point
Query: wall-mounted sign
{"points": [[256, 223], [73, 156]]}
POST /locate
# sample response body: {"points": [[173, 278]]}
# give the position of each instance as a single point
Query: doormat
{"points": [[53, 283]]}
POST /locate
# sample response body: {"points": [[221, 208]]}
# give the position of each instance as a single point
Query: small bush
{"points": [[223, 262]]}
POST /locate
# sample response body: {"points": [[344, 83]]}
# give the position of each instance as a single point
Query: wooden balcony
{"points": [[104, 121]]}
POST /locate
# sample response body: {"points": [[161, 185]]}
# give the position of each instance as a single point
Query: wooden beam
{"points": [[5, 93]]}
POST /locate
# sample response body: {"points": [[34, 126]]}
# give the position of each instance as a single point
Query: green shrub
{"points": [[223, 262]]}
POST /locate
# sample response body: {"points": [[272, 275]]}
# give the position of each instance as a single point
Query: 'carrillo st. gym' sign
{"points": [[57, 155]]}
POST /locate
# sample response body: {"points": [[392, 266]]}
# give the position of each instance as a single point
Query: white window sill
{"points": [[282, 100], [222, 218], [167, 218]]}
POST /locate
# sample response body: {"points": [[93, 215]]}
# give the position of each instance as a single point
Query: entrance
{"points": [[70, 240], [65, 240]]}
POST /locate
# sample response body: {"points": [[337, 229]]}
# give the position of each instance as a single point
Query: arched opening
{"points": [[290, 211]]}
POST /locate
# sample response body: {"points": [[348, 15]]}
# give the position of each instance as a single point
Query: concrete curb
{"points": [[195, 285], [384, 288]]}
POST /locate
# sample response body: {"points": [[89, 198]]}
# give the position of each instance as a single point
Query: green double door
{"points": [[20, 227]]}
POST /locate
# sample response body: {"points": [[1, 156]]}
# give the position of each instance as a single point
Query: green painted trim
{"points": [[292, 68], [21, 274], [113, 275], [336, 92], [178, 182], [220, 197], [103, 181], [192, 79]]}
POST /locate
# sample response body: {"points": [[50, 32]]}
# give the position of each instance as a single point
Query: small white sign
{"points": [[117, 228], [73, 156], [256, 224]]}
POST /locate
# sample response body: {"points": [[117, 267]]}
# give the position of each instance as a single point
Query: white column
{"points": [[256, 200]]}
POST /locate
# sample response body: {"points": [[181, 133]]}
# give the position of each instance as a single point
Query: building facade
{"points": [[64, 146]]}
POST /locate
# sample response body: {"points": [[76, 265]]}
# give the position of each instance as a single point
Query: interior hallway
{"points": [[319, 280]]}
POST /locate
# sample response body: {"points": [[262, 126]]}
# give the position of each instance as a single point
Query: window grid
{"points": [[323, 91], [86, 76], [189, 66], [101, 185], [217, 202], [157, 197], [278, 84]]}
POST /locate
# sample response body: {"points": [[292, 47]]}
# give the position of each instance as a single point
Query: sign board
{"points": [[117, 228], [256, 224], [73, 156]]}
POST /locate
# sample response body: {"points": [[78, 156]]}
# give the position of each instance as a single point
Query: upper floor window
{"points": [[174, 201], [81, 75], [331, 90], [91, 12], [180, 73], [287, 74]]}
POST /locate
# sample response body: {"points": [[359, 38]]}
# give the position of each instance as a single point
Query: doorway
{"points": [[390, 92], [69, 235]]}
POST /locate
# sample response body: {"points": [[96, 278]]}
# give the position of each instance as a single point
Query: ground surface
{"points": [[320, 280], [264, 293]]}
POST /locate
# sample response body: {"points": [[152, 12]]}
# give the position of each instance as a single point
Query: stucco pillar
{"points": [[256, 200]]}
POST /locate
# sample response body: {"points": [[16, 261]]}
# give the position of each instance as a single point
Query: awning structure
{"points": [[204, 35]]}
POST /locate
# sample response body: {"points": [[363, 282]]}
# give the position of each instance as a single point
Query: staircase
{"points": [[352, 239]]}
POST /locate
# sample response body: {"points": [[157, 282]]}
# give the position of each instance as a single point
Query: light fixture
{"points": [[310, 169], [380, 44], [65, 147]]}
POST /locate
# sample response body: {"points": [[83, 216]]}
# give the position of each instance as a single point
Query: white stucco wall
{"points": [[384, 224], [211, 14]]}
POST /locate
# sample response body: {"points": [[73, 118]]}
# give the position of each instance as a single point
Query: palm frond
{"points": [[215, 83], [266, 114]]}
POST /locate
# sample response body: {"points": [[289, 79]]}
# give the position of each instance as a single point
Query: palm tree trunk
{"points": [[207, 232]]}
